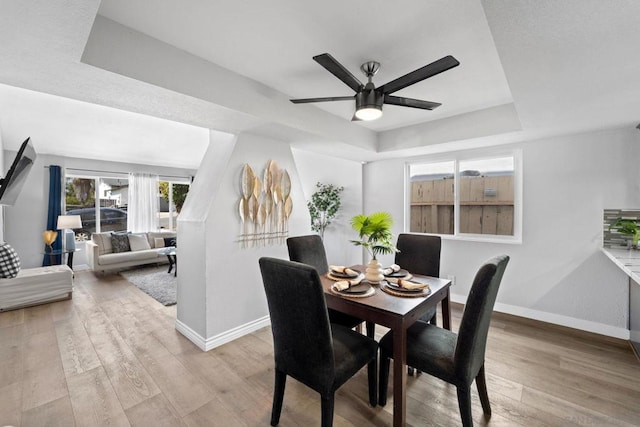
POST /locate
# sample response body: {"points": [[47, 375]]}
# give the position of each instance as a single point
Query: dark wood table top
{"points": [[387, 306], [397, 313]]}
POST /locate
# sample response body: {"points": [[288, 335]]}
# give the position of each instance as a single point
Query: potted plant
{"points": [[375, 236], [629, 227], [323, 206]]}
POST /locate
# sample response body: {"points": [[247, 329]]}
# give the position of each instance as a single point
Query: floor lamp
{"points": [[67, 223]]}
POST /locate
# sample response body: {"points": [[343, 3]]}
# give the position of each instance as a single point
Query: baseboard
{"points": [[206, 344], [556, 319], [81, 267]]}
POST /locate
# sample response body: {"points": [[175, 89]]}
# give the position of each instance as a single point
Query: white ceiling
{"points": [[81, 129], [274, 42], [564, 67]]}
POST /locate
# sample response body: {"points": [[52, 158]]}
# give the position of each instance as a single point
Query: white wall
{"points": [[220, 293], [27, 219], [558, 273], [2, 172], [233, 301], [314, 168]]}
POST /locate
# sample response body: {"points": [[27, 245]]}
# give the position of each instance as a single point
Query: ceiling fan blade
{"points": [[410, 102], [335, 68], [437, 67], [331, 98]]}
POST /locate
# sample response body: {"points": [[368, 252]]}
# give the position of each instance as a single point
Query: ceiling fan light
{"points": [[369, 113], [369, 105]]}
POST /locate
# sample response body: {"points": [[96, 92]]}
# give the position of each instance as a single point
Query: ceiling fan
{"points": [[369, 99]]}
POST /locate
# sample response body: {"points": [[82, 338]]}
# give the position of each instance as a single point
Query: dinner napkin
{"points": [[343, 285], [342, 269], [393, 268], [408, 284]]}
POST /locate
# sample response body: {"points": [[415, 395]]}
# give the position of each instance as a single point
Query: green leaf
{"points": [[375, 233]]}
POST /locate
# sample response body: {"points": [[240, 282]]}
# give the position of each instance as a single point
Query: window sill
{"points": [[509, 240]]}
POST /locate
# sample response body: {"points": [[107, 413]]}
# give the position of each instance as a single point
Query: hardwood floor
{"points": [[111, 356]]}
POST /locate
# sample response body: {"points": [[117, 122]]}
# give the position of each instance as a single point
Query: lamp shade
{"points": [[69, 221], [369, 105]]}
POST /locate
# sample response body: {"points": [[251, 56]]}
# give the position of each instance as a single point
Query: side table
{"points": [[69, 253]]}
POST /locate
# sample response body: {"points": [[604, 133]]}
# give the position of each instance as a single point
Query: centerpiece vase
{"points": [[373, 272]]}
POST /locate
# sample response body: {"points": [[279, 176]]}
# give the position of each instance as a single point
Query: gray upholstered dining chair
{"points": [[310, 250], [321, 355], [455, 358], [420, 254]]}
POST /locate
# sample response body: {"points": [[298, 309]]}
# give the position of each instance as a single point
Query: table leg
{"points": [[170, 263], [399, 375], [175, 266], [446, 312]]}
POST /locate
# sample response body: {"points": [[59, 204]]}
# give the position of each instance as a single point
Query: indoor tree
{"points": [[324, 206]]}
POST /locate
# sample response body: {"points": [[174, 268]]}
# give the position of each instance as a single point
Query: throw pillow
{"points": [[120, 242], [169, 241], [138, 242], [9, 262], [158, 242]]}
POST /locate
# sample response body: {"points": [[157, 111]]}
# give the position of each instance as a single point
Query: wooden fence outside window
{"points": [[486, 205]]}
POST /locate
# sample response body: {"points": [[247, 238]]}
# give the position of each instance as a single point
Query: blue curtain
{"points": [[55, 209]]}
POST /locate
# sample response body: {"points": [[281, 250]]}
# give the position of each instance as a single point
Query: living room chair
{"points": [[310, 250], [455, 358], [308, 348]]}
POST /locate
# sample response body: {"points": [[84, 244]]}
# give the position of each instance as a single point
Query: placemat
{"points": [[426, 291]]}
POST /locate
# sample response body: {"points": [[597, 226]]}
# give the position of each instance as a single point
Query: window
{"points": [[475, 198], [172, 197], [109, 191], [82, 198]]}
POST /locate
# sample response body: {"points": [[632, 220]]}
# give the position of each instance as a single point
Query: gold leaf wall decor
{"points": [[265, 206]]}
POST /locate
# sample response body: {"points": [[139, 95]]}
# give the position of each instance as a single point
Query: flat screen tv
{"points": [[13, 181]]}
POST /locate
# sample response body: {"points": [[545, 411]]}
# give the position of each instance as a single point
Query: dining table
{"points": [[396, 313]]}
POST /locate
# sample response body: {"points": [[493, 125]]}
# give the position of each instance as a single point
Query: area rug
{"points": [[154, 281]]}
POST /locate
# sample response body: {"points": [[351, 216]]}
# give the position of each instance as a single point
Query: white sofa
{"points": [[101, 257], [33, 286]]}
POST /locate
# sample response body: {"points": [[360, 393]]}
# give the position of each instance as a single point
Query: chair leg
{"points": [[434, 319], [372, 373], [371, 329], [481, 382], [327, 410], [278, 396], [464, 403], [383, 381]]}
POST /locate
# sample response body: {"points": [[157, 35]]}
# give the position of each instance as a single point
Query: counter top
{"points": [[627, 259]]}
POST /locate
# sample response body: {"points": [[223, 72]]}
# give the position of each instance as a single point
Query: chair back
{"points": [[302, 341], [308, 250], [419, 254], [474, 326]]}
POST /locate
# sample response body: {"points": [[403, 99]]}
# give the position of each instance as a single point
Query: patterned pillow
{"points": [[9, 262], [120, 242], [169, 241]]}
